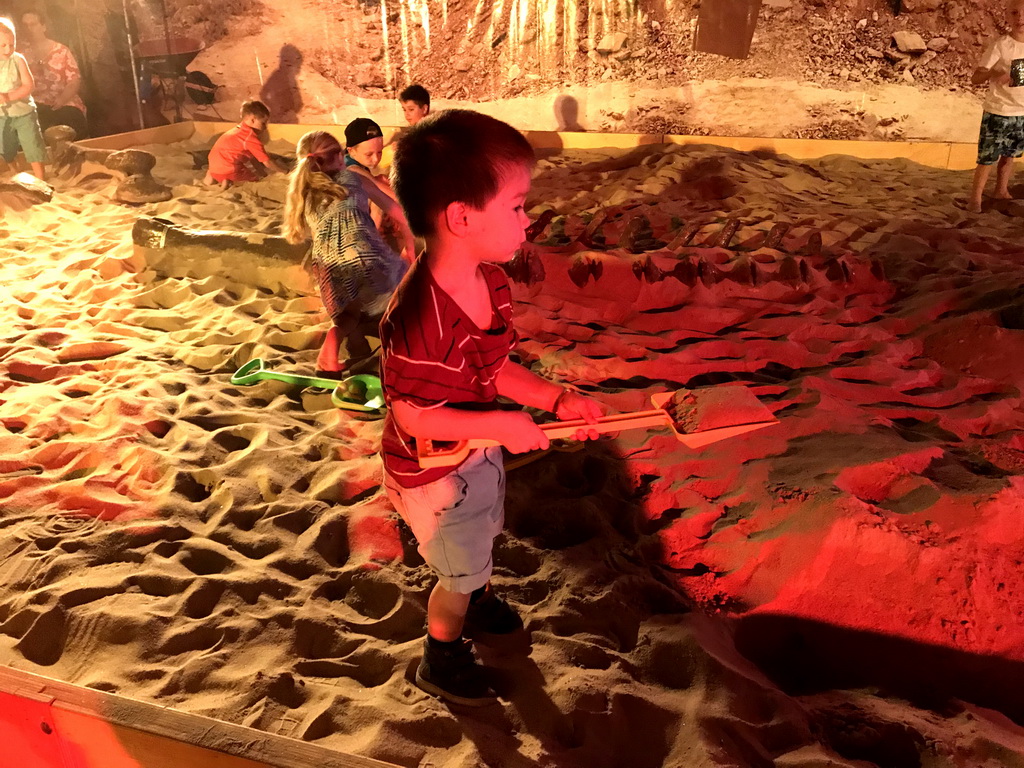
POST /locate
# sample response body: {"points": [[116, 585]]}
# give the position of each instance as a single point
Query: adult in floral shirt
{"points": [[56, 75]]}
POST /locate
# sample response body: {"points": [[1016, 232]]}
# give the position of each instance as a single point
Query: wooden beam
{"points": [[937, 154], [933, 154], [290, 132], [161, 134], [46, 723], [566, 140]]}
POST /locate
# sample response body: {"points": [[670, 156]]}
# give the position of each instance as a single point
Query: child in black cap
{"points": [[364, 145]]}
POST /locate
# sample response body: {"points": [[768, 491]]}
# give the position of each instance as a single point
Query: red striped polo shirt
{"points": [[433, 355]]}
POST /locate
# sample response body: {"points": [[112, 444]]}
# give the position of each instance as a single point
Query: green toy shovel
{"points": [[361, 392]]}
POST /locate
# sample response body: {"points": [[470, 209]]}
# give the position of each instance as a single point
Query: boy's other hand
{"points": [[576, 406], [1000, 77], [520, 434]]}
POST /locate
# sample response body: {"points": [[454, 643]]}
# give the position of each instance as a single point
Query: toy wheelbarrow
{"points": [[696, 417], [361, 392]]}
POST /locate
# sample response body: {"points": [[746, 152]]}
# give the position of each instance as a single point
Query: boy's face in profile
{"points": [[500, 226], [258, 124], [414, 112]]}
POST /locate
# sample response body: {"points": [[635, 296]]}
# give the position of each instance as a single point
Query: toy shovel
{"points": [[696, 417], [361, 392]]}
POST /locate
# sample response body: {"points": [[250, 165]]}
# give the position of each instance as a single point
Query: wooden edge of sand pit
{"points": [[937, 154], [46, 723]]}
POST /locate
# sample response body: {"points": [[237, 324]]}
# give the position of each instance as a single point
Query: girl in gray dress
{"points": [[356, 270]]}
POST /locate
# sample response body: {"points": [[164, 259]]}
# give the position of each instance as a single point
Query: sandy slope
{"points": [[228, 550]]}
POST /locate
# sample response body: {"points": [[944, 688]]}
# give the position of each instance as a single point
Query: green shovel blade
{"points": [[362, 392]]}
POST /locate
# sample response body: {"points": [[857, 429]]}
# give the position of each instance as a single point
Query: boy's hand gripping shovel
{"points": [[355, 393], [697, 417]]}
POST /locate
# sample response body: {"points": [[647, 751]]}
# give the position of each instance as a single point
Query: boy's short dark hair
{"points": [[256, 109], [416, 93], [455, 155]]}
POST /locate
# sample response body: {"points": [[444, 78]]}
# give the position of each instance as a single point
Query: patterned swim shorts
{"points": [[1000, 137]]}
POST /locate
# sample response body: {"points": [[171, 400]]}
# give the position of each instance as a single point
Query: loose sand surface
{"points": [[841, 589]]}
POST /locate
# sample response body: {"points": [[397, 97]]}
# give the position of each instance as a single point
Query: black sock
{"points": [[477, 594]]}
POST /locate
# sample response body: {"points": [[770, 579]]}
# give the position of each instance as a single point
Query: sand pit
{"points": [[229, 551]]}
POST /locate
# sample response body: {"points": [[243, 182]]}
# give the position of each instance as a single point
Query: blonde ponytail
{"points": [[309, 188]]}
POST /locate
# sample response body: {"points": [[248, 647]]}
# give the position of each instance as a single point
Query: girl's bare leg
{"points": [[1003, 173], [345, 326], [327, 360], [981, 174]]}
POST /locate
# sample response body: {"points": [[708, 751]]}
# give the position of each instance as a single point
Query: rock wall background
{"points": [[618, 65]]}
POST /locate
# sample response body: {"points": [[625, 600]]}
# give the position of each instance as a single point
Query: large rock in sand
{"points": [[22, 191], [59, 134], [132, 167], [141, 188], [131, 162], [245, 258]]}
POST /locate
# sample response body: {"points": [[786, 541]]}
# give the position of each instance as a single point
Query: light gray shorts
{"points": [[455, 519]]}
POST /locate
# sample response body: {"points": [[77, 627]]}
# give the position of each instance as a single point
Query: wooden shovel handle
{"points": [[617, 422], [431, 457]]}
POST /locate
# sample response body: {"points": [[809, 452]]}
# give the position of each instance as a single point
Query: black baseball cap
{"points": [[361, 129]]}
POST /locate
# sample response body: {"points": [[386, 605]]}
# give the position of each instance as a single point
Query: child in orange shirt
{"points": [[238, 155]]}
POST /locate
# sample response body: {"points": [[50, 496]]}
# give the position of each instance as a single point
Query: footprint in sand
{"points": [[44, 640], [203, 559], [372, 606], [369, 667], [250, 545]]}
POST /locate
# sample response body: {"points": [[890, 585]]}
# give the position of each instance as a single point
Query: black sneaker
{"points": [[489, 613], [450, 671]]}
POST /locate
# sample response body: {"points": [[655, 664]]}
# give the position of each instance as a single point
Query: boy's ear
{"points": [[456, 218]]}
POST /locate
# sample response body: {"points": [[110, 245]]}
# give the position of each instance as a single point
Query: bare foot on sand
{"points": [[210, 181]]}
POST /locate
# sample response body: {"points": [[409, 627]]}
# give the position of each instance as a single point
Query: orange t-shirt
{"points": [[228, 155]]}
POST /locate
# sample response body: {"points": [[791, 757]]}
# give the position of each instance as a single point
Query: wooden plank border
{"points": [[162, 134], [96, 729], [935, 154]]}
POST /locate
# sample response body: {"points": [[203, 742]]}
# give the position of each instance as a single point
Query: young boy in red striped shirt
{"points": [[462, 178]]}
